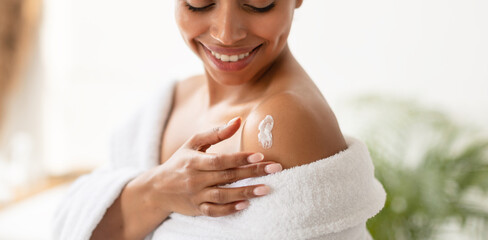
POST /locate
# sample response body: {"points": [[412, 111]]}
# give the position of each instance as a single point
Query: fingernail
{"points": [[272, 168], [262, 190], [256, 157], [232, 121], [242, 205]]}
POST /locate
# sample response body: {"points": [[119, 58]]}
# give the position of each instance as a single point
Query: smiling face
{"points": [[237, 40]]}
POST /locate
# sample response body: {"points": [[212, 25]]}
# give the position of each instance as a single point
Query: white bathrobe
{"points": [[331, 198]]}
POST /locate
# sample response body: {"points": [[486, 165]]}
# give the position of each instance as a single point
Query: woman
{"points": [[282, 121]]}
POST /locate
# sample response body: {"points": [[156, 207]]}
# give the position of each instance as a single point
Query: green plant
{"points": [[434, 170]]}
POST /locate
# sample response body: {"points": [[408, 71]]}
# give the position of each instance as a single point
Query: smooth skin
{"points": [[194, 165]]}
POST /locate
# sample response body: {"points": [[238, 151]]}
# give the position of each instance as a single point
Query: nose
{"points": [[228, 26]]}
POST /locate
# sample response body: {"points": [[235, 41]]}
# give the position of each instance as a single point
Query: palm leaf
{"points": [[432, 168]]}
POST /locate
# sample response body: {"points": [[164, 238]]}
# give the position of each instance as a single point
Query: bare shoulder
{"points": [[304, 130]]}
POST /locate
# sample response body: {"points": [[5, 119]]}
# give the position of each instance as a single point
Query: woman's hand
{"points": [[188, 182]]}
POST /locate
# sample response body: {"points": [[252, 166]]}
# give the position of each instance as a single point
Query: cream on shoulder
{"points": [[265, 137]]}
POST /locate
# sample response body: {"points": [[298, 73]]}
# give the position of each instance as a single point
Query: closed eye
{"points": [[199, 9], [255, 9], [261, 10]]}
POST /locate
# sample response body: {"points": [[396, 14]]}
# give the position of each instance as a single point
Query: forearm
{"points": [[131, 216]]}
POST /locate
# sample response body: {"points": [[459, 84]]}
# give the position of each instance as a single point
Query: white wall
{"points": [[101, 58], [431, 50]]}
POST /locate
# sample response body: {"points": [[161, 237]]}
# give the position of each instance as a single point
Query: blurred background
{"points": [[408, 77]]}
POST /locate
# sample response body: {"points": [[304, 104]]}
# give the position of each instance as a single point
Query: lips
{"points": [[230, 59], [229, 50]]}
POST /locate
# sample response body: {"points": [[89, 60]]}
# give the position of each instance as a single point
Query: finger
{"points": [[216, 210], [232, 175], [213, 162], [203, 141], [228, 195]]}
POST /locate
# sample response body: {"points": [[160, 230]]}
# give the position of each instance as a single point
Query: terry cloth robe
{"points": [[331, 198]]}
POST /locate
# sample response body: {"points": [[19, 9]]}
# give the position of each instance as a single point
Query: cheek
{"points": [[188, 29], [274, 29]]}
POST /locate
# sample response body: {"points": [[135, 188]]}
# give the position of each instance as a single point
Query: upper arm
{"points": [[300, 134]]}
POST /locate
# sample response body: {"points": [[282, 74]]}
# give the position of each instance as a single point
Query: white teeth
{"points": [[224, 58], [231, 58]]}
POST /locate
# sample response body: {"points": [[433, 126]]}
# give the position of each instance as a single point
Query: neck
{"points": [[253, 89]]}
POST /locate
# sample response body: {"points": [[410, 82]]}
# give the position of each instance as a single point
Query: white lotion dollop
{"points": [[265, 137]]}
